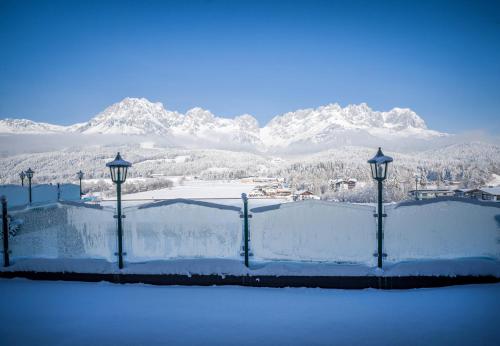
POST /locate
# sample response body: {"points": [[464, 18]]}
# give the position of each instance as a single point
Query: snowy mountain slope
{"points": [[326, 123], [201, 124], [131, 116], [322, 125], [24, 126]]}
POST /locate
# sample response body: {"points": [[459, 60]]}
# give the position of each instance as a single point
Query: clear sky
{"points": [[63, 62]]}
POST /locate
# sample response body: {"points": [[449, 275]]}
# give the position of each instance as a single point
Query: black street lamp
{"points": [[118, 169], [378, 165], [80, 176], [416, 187], [29, 175], [22, 175]]}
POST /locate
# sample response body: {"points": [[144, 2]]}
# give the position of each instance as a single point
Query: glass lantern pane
{"points": [[381, 168], [112, 172]]}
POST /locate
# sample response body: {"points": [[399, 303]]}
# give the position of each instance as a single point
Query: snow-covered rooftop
{"points": [[491, 190]]}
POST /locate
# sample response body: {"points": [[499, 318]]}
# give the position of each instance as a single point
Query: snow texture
{"points": [[182, 228], [55, 313], [301, 232], [314, 230], [64, 231], [40, 194], [442, 229]]}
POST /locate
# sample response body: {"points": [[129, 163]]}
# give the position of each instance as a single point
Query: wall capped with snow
{"points": [[69, 192], [314, 230], [442, 229], [64, 231], [182, 229], [309, 230], [16, 194], [40, 194]]}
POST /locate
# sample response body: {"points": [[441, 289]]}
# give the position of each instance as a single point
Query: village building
{"points": [[283, 192], [430, 193], [302, 195], [343, 184], [483, 193], [467, 193], [490, 193]]}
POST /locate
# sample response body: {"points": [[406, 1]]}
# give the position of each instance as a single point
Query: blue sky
{"points": [[63, 62]]}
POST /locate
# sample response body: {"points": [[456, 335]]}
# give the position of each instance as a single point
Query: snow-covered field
{"points": [[69, 313], [196, 189]]}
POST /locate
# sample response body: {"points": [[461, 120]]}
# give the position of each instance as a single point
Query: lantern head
{"points": [[29, 173], [118, 169], [79, 175], [378, 165]]}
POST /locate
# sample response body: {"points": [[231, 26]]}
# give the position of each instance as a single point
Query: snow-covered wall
{"points": [[64, 231], [309, 230], [16, 195], [436, 229], [314, 230], [69, 192], [44, 193], [182, 229], [19, 195]]}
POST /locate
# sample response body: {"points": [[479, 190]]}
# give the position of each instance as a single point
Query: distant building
{"points": [[490, 193], [256, 194], [303, 195], [430, 193], [343, 184], [283, 192], [466, 193], [483, 193], [351, 183], [270, 190]]}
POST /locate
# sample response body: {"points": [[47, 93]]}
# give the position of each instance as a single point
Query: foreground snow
{"points": [[62, 313]]}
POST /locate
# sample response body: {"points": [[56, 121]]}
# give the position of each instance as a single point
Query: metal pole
{"points": [[119, 216], [245, 225], [22, 181], [379, 231], [416, 189], [29, 179], [5, 226], [80, 188]]}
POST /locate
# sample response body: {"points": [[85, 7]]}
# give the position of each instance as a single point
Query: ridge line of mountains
{"points": [[305, 127]]}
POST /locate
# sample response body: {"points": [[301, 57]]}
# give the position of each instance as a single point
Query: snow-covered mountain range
{"points": [[322, 125]]}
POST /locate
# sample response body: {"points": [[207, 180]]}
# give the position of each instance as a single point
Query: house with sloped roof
{"points": [[490, 193], [430, 193]]}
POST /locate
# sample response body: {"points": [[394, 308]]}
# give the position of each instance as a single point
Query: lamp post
{"points": [[22, 175], [80, 176], [29, 175], [416, 187], [378, 165], [118, 169], [245, 226]]}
